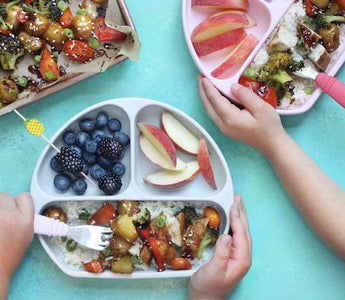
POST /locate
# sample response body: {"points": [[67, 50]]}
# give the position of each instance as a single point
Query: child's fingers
{"points": [[208, 107], [6, 201], [243, 216], [25, 204], [222, 254], [222, 106], [248, 98], [239, 236]]}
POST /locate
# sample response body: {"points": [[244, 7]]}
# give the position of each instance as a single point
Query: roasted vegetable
{"points": [[192, 238], [119, 246], [124, 227], [320, 3], [94, 266], [104, 215], [326, 21], [331, 37], [209, 238], [39, 7], [56, 213], [30, 43], [8, 90], [48, 67], [37, 24], [180, 263], [128, 207], [213, 217], [77, 50], [10, 51], [105, 33], [54, 34], [142, 217], [122, 265], [82, 26]]}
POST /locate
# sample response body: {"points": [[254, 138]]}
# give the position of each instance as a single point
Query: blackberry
{"points": [[110, 148], [109, 184], [69, 160]]}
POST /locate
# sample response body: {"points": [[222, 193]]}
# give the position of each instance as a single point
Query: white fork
{"points": [[90, 236]]}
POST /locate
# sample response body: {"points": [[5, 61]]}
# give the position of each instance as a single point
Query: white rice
{"points": [[75, 259]]}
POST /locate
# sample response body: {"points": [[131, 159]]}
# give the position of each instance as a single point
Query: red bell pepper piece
{"points": [[154, 244], [310, 9], [107, 34], [5, 31], [66, 18], [104, 215], [48, 67], [22, 16], [94, 266]]}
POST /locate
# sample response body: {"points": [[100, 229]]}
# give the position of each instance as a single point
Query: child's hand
{"points": [[258, 125], [230, 262], [16, 231]]}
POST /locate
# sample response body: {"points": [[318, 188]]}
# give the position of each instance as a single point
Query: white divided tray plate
{"points": [[129, 111], [267, 14]]}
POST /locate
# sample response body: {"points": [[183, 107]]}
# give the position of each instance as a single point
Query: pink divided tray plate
{"points": [[267, 15]]}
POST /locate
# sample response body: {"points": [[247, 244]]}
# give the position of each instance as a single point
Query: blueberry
{"points": [[79, 186], [118, 169], [96, 172], [69, 137], [82, 138], [87, 125], [97, 135], [54, 166], [101, 120], [78, 150], [114, 125], [104, 162], [91, 146], [122, 138], [62, 182], [89, 158]]}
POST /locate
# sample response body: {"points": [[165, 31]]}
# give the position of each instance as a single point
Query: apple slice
{"points": [[156, 157], [219, 42], [224, 4], [220, 23], [168, 179], [160, 141], [205, 163], [183, 139], [237, 56]]}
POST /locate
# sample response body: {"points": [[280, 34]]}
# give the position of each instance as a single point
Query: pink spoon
{"points": [[329, 84]]}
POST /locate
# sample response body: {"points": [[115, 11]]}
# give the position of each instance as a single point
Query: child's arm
{"points": [[319, 199], [16, 233], [230, 262]]}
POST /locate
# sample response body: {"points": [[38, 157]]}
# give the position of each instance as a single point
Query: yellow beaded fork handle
{"points": [[36, 128]]}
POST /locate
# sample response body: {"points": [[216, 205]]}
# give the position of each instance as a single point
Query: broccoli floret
{"points": [[210, 237], [11, 49], [39, 6], [276, 73], [142, 217], [326, 21]]}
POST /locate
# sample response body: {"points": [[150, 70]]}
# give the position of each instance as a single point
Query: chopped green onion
{"points": [[68, 32], [21, 81], [12, 91], [136, 261], [94, 43], [63, 239], [71, 245], [308, 90], [55, 55], [250, 73], [62, 5], [84, 215], [82, 11], [106, 251], [37, 58], [161, 221], [50, 75]]}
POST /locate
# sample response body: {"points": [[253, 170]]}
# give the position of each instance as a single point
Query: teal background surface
{"points": [[289, 262]]}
